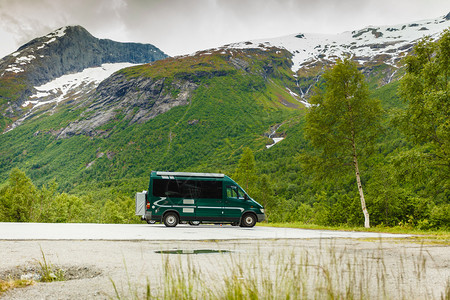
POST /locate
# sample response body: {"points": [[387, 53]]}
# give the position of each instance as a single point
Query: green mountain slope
{"points": [[238, 97]]}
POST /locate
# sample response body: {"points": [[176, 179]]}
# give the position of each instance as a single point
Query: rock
{"points": [[31, 276], [77, 50], [137, 99]]}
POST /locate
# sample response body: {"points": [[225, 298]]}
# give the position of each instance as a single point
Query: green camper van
{"points": [[175, 197]]}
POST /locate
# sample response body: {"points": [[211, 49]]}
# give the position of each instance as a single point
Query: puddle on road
{"points": [[199, 251]]}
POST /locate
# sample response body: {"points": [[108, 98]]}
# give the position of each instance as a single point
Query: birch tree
{"points": [[342, 121]]}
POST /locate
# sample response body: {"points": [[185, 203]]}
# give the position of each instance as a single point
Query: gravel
{"points": [[94, 267]]}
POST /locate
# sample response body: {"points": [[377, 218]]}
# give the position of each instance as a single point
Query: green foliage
{"points": [[17, 197], [426, 90], [342, 116], [21, 201], [245, 173]]}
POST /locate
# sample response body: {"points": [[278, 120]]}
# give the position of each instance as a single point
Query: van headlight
{"points": [[262, 210]]}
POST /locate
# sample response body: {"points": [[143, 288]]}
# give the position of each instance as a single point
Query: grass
{"points": [[325, 273], [10, 284], [437, 234], [47, 272], [429, 237]]}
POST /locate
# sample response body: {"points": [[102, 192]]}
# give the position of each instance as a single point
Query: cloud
{"points": [[185, 26], [27, 19]]}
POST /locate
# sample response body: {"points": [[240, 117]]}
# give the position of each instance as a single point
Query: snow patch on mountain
{"points": [[20, 61], [12, 68], [298, 98], [364, 45], [67, 87], [60, 32], [59, 88], [25, 59], [275, 141]]}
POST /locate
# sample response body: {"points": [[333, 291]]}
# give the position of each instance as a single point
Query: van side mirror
{"points": [[246, 197]]}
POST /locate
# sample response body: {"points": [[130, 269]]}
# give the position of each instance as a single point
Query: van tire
{"points": [[248, 220], [171, 219]]}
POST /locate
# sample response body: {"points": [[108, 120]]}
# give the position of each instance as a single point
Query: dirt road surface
{"points": [[121, 261]]}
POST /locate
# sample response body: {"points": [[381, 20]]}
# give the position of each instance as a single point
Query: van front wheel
{"points": [[171, 219], [248, 220]]}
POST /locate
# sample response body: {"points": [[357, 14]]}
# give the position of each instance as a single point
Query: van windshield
{"points": [[235, 192]]}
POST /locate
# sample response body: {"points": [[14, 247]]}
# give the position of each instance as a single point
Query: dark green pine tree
{"points": [[342, 122]]}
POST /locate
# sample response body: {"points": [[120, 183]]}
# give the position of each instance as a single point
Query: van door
{"points": [[208, 209], [234, 203], [208, 199]]}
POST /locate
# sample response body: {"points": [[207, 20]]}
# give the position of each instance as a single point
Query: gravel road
{"points": [[94, 264]]}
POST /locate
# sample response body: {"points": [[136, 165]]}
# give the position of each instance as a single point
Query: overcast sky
{"points": [[185, 26]]}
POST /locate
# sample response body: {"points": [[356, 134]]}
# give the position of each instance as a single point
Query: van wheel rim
{"points": [[171, 220], [248, 220]]}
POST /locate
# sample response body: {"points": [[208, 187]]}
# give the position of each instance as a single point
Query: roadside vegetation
{"points": [[325, 273], [404, 167], [44, 271], [10, 284]]}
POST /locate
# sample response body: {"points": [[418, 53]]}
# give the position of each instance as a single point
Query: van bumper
{"points": [[261, 217], [148, 215]]}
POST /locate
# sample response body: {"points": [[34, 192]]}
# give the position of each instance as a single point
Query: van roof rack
{"points": [[188, 174]]}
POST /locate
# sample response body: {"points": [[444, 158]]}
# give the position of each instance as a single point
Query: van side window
{"points": [[194, 189]]}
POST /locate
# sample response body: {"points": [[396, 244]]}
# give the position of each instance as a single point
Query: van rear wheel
{"points": [[248, 220], [171, 219]]}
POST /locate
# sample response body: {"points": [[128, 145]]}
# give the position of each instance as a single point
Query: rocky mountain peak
{"points": [[72, 32], [67, 50], [72, 49]]}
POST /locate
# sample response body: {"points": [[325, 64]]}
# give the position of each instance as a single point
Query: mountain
{"points": [[178, 113], [188, 113], [67, 50], [141, 93], [377, 49]]}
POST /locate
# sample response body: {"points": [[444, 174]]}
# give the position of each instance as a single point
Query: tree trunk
{"points": [[360, 189]]}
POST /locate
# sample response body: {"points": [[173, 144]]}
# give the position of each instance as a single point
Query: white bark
{"points": [[361, 196], [358, 182], [360, 189]]}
